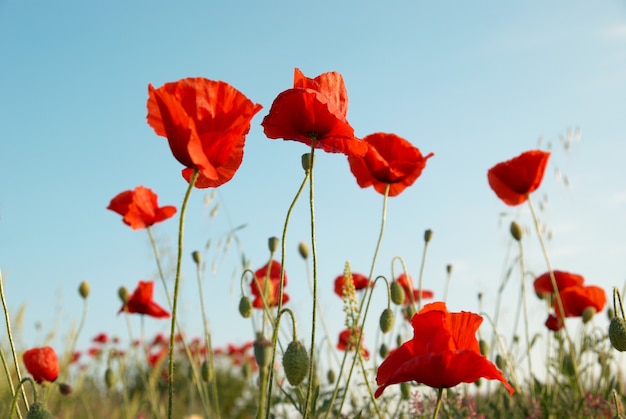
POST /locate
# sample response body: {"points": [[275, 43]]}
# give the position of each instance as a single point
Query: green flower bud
{"points": [[303, 249], [83, 289], [397, 293], [123, 294], [245, 307], [296, 362], [262, 351], [516, 231], [197, 257], [484, 347], [617, 333], [386, 320], [272, 243], [331, 376], [206, 372], [65, 389], [588, 314], [449, 269], [109, 377], [38, 411], [428, 235], [383, 351]]}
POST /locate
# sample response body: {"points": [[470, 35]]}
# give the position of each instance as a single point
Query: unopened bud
{"points": [[410, 311], [272, 243], [38, 411], [383, 351], [610, 313], [428, 235], [484, 347], [449, 268], [197, 257], [83, 289], [588, 314], [500, 362], [65, 389], [109, 377], [303, 249], [206, 372], [331, 376], [123, 294], [296, 362], [397, 293], [262, 351], [245, 307], [617, 333], [516, 231], [386, 320]]}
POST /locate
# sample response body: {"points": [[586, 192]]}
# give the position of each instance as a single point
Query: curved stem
{"points": [[179, 261], [21, 387]]}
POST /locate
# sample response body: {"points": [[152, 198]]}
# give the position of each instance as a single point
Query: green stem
{"points": [[526, 329], [438, 405], [21, 387], [421, 278], [5, 308], [179, 261]]}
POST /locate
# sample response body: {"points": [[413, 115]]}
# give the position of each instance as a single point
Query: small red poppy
{"points": [[102, 338], [515, 179], [268, 285], [406, 282], [314, 109], [444, 352], [347, 342], [140, 208], [543, 283], [390, 160], [205, 123], [360, 282], [141, 302], [42, 363]]}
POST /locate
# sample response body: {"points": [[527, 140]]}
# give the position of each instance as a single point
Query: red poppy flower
{"points": [[347, 342], [314, 109], [390, 160], [406, 282], [205, 123], [543, 283], [575, 300], [444, 352], [140, 302], [42, 364], [515, 179], [140, 208], [102, 338], [268, 285], [360, 282]]}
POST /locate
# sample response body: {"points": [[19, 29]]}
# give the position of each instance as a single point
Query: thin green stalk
{"points": [[314, 309], [157, 257], [5, 308], [438, 405], [283, 251], [526, 329], [556, 294], [179, 261], [21, 387], [421, 277]]}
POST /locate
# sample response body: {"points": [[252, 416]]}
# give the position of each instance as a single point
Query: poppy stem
{"points": [[21, 387], [179, 261], [438, 405]]}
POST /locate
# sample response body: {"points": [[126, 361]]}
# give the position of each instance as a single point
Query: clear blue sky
{"points": [[474, 82]]}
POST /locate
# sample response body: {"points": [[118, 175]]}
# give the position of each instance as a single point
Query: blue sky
{"points": [[475, 83]]}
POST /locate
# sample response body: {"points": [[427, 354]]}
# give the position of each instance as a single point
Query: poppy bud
{"points": [[38, 411], [410, 311], [330, 376], [478, 382], [206, 372], [617, 333], [610, 313], [500, 362], [272, 243], [245, 307], [303, 249], [383, 351], [449, 268], [428, 235], [307, 161], [588, 314], [122, 292], [516, 231], [386, 320], [65, 389], [405, 390], [399, 340], [262, 351], [397, 293], [197, 257], [484, 347], [83, 289], [296, 362], [109, 377]]}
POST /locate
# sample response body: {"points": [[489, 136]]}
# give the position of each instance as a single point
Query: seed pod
{"points": [[428, 235], [516, 231], [617, 333], [38, 411], [449, 269], [588, 314], [397, 293], [307, 161], [272, 243], [245, 307], [303, 249], [83, 289], [386, 320], [197, 257], [262, 351], [296, 362]]}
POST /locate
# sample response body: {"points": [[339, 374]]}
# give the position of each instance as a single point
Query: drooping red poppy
{"points": [[543, 283], [390, 160], [515, 179], [314, 109], [576, 299], [205, 122], [360, 282], [42, 363], [140, 208], [444, 352], [407, 285], [347, 342], [268, 285], [101, 338], [141, 302]]}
